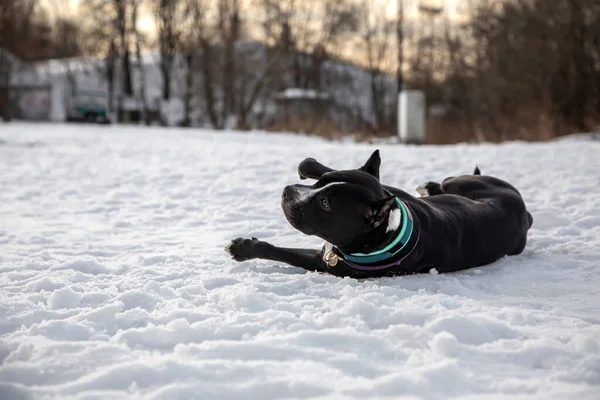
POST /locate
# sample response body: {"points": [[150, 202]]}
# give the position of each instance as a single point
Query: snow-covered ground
{"points": [[114, 283]]}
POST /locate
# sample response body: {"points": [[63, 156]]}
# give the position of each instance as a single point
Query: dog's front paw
{"points": [[304, 167], [242, 249]]}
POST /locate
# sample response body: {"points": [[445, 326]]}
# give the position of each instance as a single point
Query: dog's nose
{"points": [[288, 193]]}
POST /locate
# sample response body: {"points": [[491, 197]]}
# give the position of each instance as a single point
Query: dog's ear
{"points": [[379, 212], [372, 165]]}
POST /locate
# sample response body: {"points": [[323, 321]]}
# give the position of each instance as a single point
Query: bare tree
{"points": [[310, 28], [209, 87], [400, 44], [108, 33], [139, 61], [234, 75], [24, 34], [524, 68], [110, 71], [229, 28], [167, 19], [189, 44], [202, 36], [122, 7], [376, 39]]}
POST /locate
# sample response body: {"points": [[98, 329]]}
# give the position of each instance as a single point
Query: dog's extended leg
{"points": [[312, 169], [247, 249]]}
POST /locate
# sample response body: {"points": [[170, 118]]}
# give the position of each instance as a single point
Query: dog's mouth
{"points": [[295, 216]]}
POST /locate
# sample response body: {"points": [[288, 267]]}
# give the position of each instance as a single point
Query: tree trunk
{"points": [[209, 95], [230, 27], [127, 87], [376, 102], [577, 110], [189, 81], [127, 80], [110, 74], [141, 70], [165, 69], [5, 74]]}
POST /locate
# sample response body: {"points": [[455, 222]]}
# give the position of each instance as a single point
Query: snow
{"points": [[299, 93], [114, 283]]}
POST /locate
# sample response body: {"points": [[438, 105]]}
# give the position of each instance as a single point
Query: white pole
{"points": [[411, 112]]}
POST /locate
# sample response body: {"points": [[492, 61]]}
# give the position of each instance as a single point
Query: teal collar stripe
{"points": [[390, 250]]}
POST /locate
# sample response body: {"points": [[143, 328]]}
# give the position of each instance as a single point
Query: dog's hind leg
{"points": [[458, 186], [434, 188], [429, 189], [520, 247]]}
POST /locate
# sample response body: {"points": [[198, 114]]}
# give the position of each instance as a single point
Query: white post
{"points": [[57, 100], [411, 127]]}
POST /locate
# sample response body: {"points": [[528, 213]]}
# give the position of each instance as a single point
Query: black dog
{"points": [[375, 230]]}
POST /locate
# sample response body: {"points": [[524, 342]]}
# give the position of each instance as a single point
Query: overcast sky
{"points": [[453, 7]]}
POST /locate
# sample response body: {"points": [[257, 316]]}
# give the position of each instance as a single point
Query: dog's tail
{"points": [[477, 171]]}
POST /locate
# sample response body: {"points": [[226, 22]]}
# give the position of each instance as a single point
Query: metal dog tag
{"points": [[331, 258]]}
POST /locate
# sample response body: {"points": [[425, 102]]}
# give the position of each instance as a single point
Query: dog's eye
{"points": [[325, 204]]}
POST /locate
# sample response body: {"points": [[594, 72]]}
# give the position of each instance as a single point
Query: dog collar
{"points": [[391, 249], [375, 259]]}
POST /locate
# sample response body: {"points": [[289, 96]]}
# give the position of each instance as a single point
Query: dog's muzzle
{"points": [[289, 194], [292, 204]]}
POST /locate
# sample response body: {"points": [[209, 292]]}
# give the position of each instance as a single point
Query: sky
{"points": [[147, 26], [146, 22]]}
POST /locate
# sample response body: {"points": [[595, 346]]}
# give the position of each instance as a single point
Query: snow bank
{"points": [[299, 93], [114, 282]]}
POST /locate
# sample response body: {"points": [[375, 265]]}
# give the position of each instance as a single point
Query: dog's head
{"points": [[342, 207]]}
